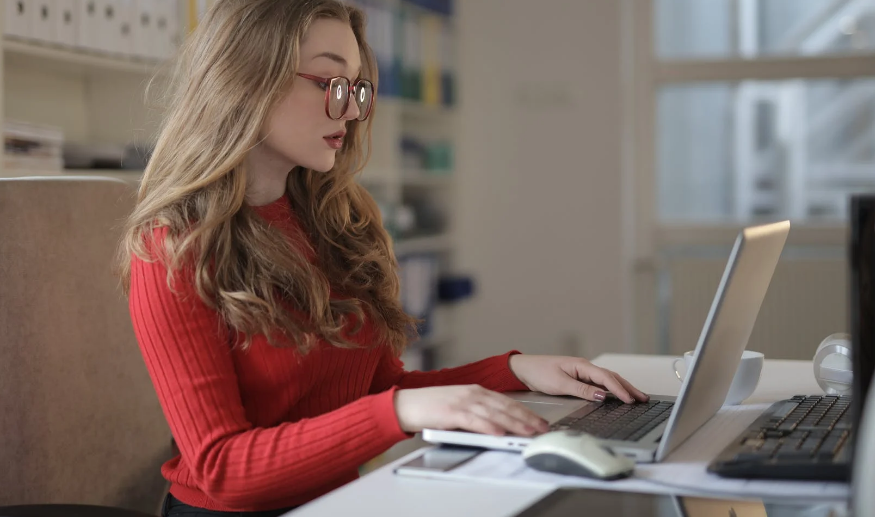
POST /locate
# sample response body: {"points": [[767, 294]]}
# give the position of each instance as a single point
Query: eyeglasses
{"points": [[337, 94]]}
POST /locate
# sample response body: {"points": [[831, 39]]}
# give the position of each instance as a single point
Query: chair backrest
{"points": [[79, 419]]}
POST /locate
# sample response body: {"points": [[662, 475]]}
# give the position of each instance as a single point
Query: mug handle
{"points": [[674, 366]]}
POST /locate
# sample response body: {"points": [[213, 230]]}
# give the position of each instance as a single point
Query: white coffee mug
{"points": [[746, 377]]}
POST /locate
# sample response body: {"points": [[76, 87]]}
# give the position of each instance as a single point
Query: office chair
{"points": [[79, 419], [67, 510]]}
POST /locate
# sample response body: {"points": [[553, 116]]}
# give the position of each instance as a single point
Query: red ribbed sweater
{"points": [[267, 428]]}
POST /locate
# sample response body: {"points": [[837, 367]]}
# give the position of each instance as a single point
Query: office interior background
{"points": [[584, 165]]}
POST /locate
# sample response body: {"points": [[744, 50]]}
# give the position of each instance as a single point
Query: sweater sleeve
{"points": [[185, 346], [492, 373]]}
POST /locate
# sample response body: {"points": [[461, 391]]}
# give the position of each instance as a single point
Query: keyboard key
{"points": [[792, 455], [770, 446], [810, 445], [785, 409], [750, 456]]}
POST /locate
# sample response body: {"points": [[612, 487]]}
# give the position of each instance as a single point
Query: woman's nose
{"points": [[352, 110]]}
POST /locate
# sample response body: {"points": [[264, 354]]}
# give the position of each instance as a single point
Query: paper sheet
{"points": [[683, 472]]}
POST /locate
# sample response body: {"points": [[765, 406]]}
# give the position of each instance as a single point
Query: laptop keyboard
{"points": [[799, 438], [616, 420]]}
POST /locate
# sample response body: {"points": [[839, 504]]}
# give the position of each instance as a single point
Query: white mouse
{"points": [[574, 453]]}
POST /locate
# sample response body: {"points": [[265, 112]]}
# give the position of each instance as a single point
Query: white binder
{"points": [[108, 26], [42, 20], [66, 22], [124, 27], [166, 28], [144, 33], [87, 24], [17, 18]]}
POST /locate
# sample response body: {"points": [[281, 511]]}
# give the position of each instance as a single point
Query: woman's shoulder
{"points": [[152, 244], [158, 247]]}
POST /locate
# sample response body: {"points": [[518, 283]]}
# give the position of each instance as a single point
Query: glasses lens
{"points": [[338, 97], [364, 97]]}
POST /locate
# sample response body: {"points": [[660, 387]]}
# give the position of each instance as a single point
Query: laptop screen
{"points": [[862, 302]]}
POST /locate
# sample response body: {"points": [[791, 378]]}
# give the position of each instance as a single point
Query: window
{"points": [[764, 108], [757, 28]]}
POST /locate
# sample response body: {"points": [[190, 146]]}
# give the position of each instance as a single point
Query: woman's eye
{"points": [[322, 86]]}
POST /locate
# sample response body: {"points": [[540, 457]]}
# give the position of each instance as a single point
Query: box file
{"points": [[42, 20], [17, 18], [66, 22]]}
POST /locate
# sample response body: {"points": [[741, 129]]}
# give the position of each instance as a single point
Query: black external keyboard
{"points": [[799, 438], [616, 420]]}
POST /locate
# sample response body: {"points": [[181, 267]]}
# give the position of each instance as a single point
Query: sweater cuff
{"points": [[507, 380], [383, 406]]}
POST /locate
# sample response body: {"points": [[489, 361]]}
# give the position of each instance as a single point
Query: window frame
{"points": [[643, 73]]}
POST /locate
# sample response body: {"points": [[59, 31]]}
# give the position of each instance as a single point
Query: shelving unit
{"points": [[430, 244], [132, 177], [99, 98], [59, 58]]}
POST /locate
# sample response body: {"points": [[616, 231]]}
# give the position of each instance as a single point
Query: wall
{"points": [[540, 178]]}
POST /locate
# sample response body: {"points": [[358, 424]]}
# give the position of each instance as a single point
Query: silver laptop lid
{"points": [[726, 331]]}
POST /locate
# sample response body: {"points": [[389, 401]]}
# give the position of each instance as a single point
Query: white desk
{"points": [[383, 494]]}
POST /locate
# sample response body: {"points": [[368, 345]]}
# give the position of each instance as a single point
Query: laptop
{"points": [[649, 431], [811, 437]]}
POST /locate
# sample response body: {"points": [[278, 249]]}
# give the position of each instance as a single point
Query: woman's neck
{"points": [[268, 177]]}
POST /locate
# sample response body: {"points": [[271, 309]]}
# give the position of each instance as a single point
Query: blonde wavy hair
{"points": [[231, 71]]}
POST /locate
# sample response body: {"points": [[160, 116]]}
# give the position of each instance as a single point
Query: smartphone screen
{"points": [[438, 459]]}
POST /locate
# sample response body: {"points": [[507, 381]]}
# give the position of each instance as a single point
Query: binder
{"points": [[42, 20], [418, 276], [66, 23], [411, 57], [107, 26], [144, 32], [166, 28], [448, 63], [381, 36], [17, 18], [87, 26], [123, 27], [196, 9], [430, 49]]}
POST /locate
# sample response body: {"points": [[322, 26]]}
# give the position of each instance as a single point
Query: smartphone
{"points": [[438, 459]]}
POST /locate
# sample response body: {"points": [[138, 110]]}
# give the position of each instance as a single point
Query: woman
{"points": [[263, 288]]}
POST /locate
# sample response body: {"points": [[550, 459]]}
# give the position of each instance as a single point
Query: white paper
{"points": [[683, 472]]}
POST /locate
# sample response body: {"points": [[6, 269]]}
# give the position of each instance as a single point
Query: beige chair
{"points": [[79, 419]]}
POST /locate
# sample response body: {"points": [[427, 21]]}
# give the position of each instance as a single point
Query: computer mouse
{"points": [[573, 453]]}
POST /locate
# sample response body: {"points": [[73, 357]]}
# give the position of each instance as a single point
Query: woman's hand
{"points": [[471, 408], [555, 375]]}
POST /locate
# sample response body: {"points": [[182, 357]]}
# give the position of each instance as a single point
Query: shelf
{"points": [[416, 109], [407, 178], [429, 342], [130, 176], [75, 59], [425, 179], [842, 174], [376, 176], [428, 244]]}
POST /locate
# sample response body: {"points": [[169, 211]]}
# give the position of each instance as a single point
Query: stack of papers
{"points": [[683, 472]]}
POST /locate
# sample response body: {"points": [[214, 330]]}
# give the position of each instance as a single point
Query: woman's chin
{"points": [[323, 165]]}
